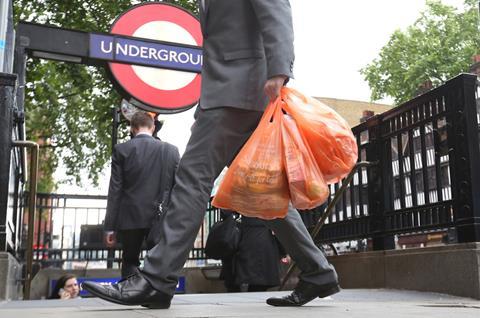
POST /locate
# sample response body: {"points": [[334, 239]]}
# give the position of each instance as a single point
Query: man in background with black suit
{"points": [[143, 170]]}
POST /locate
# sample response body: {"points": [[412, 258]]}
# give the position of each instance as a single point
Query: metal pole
{"points": [[3, 31], [7, 100], [115, 123], [32, 196], [5, 37]]}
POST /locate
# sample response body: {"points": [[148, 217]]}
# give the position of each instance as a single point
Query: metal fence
{"points": [[427, 176], [60, 220]]}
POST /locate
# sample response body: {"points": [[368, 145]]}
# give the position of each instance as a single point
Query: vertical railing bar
{"points": [[437, 163], [337, 208], [343, 204], [426, 189], [360, 188], [39, 231], [401, 172], [413, 177], [353, 212]]}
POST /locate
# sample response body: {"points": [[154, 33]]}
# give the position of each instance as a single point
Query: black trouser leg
{"points": [[131, 247]]}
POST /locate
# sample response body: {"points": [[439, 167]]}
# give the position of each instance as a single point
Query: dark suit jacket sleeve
{"points": [[171, 165], [114, 192], [275, 20]]}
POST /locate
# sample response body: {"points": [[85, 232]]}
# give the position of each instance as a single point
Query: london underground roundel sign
{"points": [[158, 50]]}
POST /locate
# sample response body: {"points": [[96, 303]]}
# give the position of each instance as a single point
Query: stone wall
{"points": [[451, 269], [10, 275]]}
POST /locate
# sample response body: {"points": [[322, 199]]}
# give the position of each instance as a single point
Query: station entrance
{"points": [[153, 58]]}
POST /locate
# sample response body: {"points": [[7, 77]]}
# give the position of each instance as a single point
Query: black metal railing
{"points": [[61, 218], [12, 166], [428, 175]]}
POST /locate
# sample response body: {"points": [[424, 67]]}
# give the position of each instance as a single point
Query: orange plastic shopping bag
{"points": [[256, 183], [329, 136], [308, 188]]}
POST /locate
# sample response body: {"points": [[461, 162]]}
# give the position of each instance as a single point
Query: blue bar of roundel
{"points": [[97, 42], [143, 56]]}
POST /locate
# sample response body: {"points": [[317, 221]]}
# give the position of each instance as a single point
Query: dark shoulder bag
{"points": [[223, 239], [153, 236]]}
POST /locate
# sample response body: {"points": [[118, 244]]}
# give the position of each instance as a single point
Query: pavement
{"points": [[370, 303]]}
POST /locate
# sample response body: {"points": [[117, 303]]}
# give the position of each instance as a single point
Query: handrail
{"points": [[31, 209], [328, 211]]}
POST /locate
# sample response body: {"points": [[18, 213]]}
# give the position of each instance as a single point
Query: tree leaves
{"points": [[69, 106], [438, 46]]}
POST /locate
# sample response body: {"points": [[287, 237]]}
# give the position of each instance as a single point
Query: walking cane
{"points": [[328, 211]]}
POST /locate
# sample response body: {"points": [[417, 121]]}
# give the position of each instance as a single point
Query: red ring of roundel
{"points": [[127, 24]]}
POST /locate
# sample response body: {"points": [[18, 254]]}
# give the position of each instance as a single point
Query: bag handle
{"points": [[285, 91], [270, 110]]}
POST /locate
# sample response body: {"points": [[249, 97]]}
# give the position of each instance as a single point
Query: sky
{"points": [[334, 39]]}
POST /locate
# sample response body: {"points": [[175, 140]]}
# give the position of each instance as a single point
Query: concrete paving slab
{"points": [[370, 303]]}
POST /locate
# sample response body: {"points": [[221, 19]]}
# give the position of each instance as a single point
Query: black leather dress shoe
{"points": [[303, 293], [134, 290]]}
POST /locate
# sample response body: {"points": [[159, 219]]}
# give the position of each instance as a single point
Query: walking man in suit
{"points": [[143, 170], [248, 56]]}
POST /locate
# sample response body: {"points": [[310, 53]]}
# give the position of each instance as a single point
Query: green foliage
{"points": [[438, 46], [69, 106]]}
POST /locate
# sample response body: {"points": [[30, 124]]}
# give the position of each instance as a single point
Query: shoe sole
{"points": [[116, 301], [330, 292], [156, 306], [326, 293]]}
